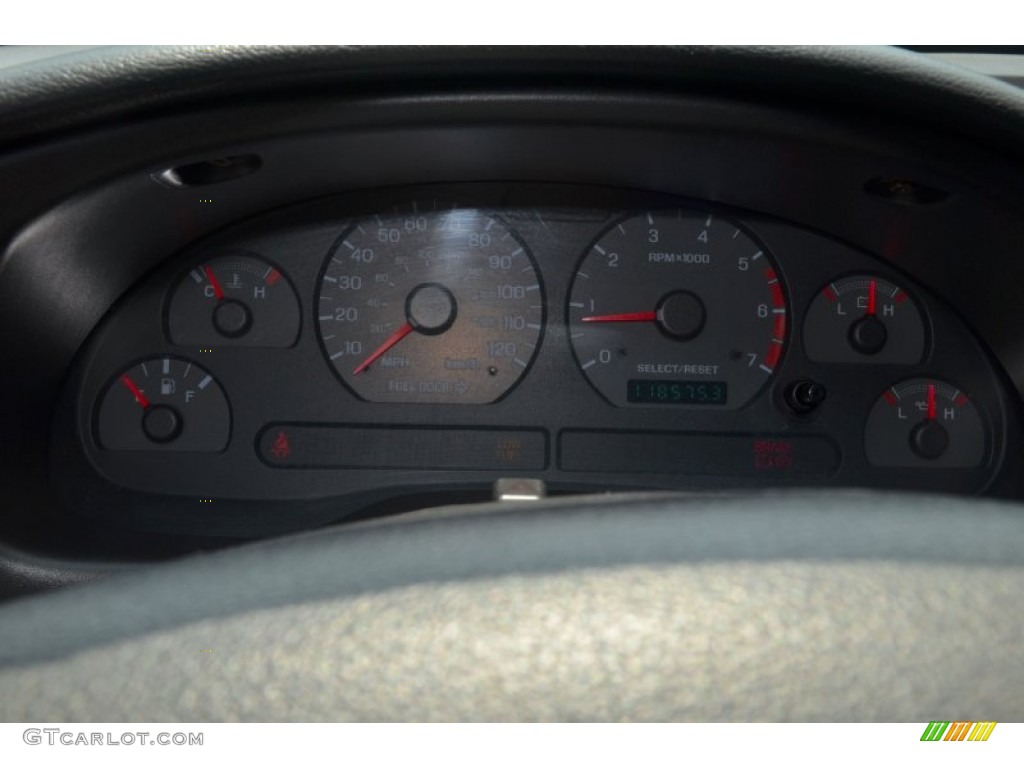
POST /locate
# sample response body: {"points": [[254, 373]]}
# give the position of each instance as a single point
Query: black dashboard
{"points": [[318, 306]]}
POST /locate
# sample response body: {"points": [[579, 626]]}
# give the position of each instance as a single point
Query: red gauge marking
{"points": [[872, 294], [830, 294], [778, 300], [899, 297], [273, 277], [931, 402], [774, 353], [890, 398], [140, 398], [218, 292], [961, 401], [780, 326], [628, 317], [393, 339]]}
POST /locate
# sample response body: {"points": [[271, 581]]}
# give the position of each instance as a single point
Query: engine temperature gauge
{"points": [[925, 423], [234, 299], [863, 318]]}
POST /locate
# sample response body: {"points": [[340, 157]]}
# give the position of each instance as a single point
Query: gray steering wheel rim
{"points": [[837, 606]]}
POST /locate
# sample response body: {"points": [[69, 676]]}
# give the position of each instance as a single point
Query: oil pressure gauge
{"points": [[925, 423], [864, 318]]}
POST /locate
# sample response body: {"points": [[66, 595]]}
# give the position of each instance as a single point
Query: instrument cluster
{"points": [[367, 347]]}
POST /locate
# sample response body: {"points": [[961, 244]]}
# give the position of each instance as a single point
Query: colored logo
{"points": [[958, 731]]}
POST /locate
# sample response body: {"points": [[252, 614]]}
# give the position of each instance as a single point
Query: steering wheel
{"points": [[813, 605]]}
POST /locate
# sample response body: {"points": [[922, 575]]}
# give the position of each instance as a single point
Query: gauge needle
{"points": [[872, 290], [140, 398], [218, 292], [393, 339], [931, 402], [629, 317]]}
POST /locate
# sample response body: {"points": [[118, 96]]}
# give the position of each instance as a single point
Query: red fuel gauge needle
{"points": [[140, 398], [872, 291], [218, 292], [931, 402], [393, 339], [628, 317]]}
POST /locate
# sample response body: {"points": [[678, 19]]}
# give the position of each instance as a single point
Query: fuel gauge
{"points": [[925, 423], [863, 318], [166, 403], [234, 299]]}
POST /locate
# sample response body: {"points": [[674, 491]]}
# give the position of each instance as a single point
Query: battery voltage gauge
{"points": [[864, 319]]}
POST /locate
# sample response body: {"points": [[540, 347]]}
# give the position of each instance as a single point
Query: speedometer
{"points": [[677, 308], [430, 307]]}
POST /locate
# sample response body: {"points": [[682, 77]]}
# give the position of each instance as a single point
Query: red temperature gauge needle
{"points": [[218, 292], [140, 398], [872, 290], [628, 317], [931, 402], [393, 339]]}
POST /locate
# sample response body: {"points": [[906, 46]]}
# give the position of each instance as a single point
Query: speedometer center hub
{"points": [[431, 308]]}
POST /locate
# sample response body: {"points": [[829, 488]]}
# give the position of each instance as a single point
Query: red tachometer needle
{"points": [[393, 339], [218, 292], [931, 402], [140, 398], [628, 317], [872, 290]]}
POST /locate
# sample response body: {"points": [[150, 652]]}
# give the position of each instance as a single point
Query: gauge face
{"points": [[164, 404], [235, 299], [925, 423], [438, 307], [864, 319], [677, 308]]}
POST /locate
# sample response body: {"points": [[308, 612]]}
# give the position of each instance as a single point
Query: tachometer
{"points": [[430, 307], [677, 308]]}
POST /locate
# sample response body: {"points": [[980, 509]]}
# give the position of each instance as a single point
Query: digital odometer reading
{"points": [[679, 298], [661, 392], [430, 307]]}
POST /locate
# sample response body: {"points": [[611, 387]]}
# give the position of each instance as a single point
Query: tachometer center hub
{"points": [[681, 315]]}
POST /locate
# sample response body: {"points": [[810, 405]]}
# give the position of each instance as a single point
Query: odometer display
{"points": [[662, 392], [677, 307], [430, 307]]}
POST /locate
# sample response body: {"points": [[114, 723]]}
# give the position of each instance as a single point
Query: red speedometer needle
{"points": [[628, 317], [931, 402], [218, 292], [140, 398], [393, 339], [872, 290]]}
